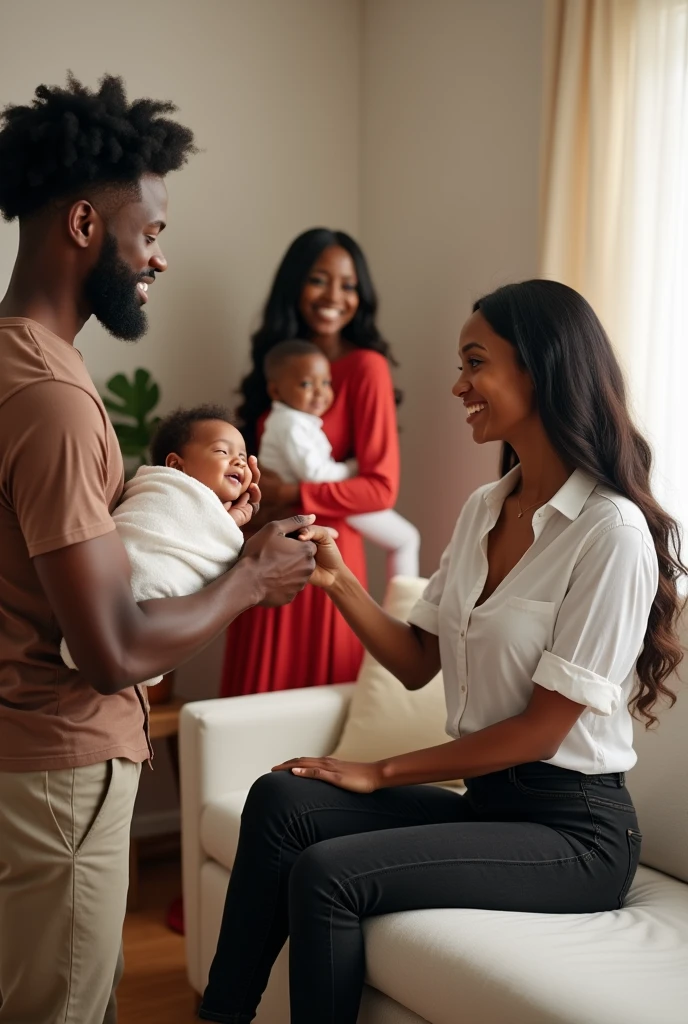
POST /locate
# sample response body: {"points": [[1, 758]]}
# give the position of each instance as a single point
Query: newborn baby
{"points": [[180, 518]]}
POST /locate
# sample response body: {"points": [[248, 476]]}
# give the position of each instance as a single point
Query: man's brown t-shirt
{"points": [[61, 474]]}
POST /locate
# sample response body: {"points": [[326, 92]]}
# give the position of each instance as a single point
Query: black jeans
{"points": [[313, 861]]}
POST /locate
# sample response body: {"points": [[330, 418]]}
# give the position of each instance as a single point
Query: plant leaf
{"points": [[131, 435], [136, 400]]}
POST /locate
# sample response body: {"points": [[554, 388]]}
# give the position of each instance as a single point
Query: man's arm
{"points": [[53, 475], [117, 642]]}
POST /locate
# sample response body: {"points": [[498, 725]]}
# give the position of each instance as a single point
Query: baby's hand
{"points": [[240, 510]]}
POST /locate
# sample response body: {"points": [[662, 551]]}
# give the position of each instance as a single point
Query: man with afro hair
{"points": [[84, 173]]}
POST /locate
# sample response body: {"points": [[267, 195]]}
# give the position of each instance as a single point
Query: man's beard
{"points": [[113, 296]]}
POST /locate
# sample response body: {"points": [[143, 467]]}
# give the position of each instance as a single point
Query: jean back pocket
{"points": [[634, 840]]}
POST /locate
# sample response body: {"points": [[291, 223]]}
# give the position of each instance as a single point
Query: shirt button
{"points": [[463, 633], [463, 689]]}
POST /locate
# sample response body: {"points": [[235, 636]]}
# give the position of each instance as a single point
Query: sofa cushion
{"points": [[619, 967], [658, 785], [384, 717], [220, 825], [379, 1009]]}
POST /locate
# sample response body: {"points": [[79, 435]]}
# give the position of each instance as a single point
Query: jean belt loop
{"points": [[621, 780]]}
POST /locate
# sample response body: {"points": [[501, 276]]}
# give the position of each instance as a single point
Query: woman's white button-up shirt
{"points": [[570, 616]]}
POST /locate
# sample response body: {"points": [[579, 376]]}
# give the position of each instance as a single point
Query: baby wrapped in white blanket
{"points": [[178, 531]]}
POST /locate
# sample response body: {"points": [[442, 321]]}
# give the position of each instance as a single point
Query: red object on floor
{"points": [[308, 643], [175, 916]]}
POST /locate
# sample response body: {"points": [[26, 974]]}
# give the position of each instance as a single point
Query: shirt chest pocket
{"points": [[523, 629]]}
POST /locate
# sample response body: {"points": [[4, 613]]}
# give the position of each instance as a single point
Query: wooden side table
{"points": [[163, 722]]}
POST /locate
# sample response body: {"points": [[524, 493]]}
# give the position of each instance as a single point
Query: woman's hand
{"points": [[329, 564], [357, 777]]}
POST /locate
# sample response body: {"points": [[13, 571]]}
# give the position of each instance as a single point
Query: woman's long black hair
{"points": [[282, 320], [581, 400]]}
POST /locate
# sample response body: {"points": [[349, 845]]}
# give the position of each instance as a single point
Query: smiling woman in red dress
{"points": [[322, 292]]}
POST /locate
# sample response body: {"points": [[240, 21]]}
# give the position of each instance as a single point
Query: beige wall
{"points": [[412, 123], [450, 141], [271, 89]]}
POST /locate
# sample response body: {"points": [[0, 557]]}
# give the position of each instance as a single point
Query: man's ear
{"points": [[84, 224], [174, 461]]}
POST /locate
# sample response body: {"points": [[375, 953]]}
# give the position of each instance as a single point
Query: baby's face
{"points": [[305, 384], [216, 455]]}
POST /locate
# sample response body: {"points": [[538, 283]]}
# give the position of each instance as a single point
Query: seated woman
{"points": [[552, 616]]}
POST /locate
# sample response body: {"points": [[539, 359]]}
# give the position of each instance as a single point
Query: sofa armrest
{"points": [[225, 745], [229, 743]]}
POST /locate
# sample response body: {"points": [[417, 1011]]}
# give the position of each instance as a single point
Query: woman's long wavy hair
{"points": [[581, 398], [282, 320]]}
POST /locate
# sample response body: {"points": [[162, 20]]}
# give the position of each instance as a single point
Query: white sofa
{"points": [[452, 966]]}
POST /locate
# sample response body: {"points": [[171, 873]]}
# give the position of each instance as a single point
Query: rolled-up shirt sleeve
{"points": [[599, 631], [425, 612]]}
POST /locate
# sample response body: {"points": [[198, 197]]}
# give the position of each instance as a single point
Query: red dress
{"points": [[307, 642]]}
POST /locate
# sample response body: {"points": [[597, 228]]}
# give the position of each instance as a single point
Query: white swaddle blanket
{"points": [[177, 533]]}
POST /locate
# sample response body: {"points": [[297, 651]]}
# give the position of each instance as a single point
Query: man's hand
{"points": [[282, 565]]}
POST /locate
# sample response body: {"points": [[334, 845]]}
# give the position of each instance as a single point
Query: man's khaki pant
{"points": [[64, 872]]}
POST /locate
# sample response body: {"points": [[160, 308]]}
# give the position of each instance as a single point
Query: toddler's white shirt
{"points": [[295, 446]]}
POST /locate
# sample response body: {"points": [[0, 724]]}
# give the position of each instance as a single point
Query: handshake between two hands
{"points": [[282, 567]]}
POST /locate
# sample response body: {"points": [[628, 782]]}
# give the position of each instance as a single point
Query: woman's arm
{"points": [[599, 630], [376, 447], [408, 652], [534, 735]]}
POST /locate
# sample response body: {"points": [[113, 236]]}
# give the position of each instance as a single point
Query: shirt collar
{"points": [[496, 494], [307, 417], [569, 499]]}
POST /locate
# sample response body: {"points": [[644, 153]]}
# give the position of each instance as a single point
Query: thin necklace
{"points": [[521, 511]]}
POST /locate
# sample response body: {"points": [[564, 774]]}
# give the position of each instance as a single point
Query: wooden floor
{"points": [[154, 988]]}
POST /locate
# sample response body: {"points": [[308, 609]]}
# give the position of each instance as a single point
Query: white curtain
{"points": [[651, 294], [615, 200]]}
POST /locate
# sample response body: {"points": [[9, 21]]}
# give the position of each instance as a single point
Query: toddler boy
{"points": [[294, 445]]}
